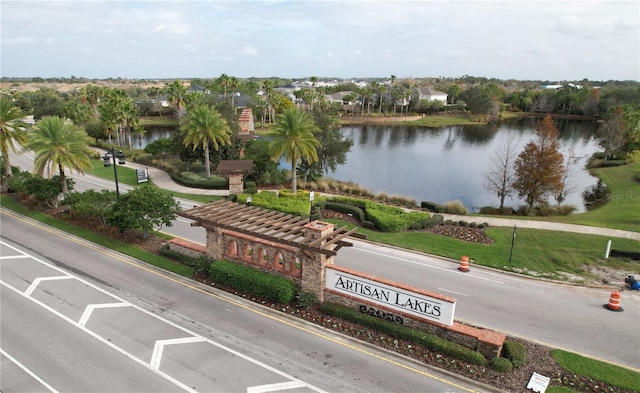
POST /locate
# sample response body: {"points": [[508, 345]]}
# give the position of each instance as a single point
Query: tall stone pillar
{"points": [[236, 185], [313, 264]]}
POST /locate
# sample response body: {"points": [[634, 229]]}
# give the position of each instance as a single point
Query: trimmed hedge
{"points": [[253, 281], [427, 222], [270, 200], [391, 218], [192, 179], [429, 341]]}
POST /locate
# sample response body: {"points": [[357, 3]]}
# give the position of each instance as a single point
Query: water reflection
{"points": [[443, 164]]}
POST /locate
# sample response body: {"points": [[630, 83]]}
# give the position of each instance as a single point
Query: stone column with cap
{"points": [[313, 268]]}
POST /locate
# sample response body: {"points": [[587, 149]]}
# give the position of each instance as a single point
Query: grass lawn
{"points": [[623, 210]]}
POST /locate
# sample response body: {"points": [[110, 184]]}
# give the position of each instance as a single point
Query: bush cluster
{"points": [[501, 365], [197, 180], [253, 281], [429, 341], [427, 223], [515, 352], [270, 200]]}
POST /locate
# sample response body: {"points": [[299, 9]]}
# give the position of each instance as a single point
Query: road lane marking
{"points": [[13, 257], [428, 265], [38, 280], [158, 348], [195, 336], [275, 387], [26, 370], [140, 266], [89, 310], [457, 293]]}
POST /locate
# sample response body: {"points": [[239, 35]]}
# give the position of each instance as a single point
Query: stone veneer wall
{"points": [[487, 342], [310, 277]]}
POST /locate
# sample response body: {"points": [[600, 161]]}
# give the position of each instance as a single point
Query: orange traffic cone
{"points": [[464, 264], [614, 302]]}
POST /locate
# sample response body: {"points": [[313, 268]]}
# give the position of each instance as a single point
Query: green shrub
{"points": [[250, 187], [306, 299], [515, 352], [427, 222], [502, 365], [432, 206], [270, 200], [196, 180], [249, 280], [429, 341]]}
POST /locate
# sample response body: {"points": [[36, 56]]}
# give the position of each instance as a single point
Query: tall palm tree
{"points": [[204, 125], [175, 94], [57, 142], [293, 137], [12, 133]]}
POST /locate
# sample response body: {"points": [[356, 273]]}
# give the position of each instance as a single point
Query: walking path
{"points": [[164, 181]]}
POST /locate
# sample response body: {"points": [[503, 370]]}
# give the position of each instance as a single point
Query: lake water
{"points": [[449, 163]]}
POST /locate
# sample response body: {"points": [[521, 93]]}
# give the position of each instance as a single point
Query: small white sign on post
{"points": [[538, 383], [312, 195]]}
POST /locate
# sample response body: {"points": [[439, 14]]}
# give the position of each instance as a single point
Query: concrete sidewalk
{"points": [[164, 181]]}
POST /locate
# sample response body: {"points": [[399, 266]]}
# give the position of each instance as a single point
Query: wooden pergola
{"points": [[269, 225]]}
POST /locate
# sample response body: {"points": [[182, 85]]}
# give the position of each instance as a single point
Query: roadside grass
{"points": [[540, 253], [125, 175], [601, 371], [132, 251], [623, 209], [128, 176]]}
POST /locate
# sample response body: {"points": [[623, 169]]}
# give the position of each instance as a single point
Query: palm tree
{"points": [[58, 142], [175, 94], [293, 137], [204, 125], [12, 133]]}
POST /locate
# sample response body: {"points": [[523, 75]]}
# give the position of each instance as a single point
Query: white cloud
{"points": [[248, 51], [337, 38]]}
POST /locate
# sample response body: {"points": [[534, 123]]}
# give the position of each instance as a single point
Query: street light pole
{"points": [[513, 239], [106, 161]]}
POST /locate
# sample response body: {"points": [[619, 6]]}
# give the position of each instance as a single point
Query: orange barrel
{"points": [[614, 302], [464, 264]]}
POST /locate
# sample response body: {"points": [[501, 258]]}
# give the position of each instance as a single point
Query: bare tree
{"points": [[566, 188], [500, 175]]}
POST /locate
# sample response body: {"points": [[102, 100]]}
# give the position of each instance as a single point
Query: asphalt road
{"points": [[557, 315], [78, 317]]}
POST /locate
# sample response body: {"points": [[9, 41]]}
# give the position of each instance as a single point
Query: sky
{"points": [[523, 40]]}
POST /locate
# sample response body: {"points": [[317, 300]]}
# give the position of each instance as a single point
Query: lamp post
{"points": [[513, 239], [106, 160]]}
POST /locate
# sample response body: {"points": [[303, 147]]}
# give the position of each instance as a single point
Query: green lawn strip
{"points": [[600, 371], [623, 210], [112, 244], [544, 252], [559, 389], [126, 175]]}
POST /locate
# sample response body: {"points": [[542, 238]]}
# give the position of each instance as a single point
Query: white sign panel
{"points": [[402, 300], [538, 383]]}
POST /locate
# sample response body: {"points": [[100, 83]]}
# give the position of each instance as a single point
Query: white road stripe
{"points": [[457, 293], [38, 280], [281, 373], [14, 257], [26, 370], [276, 387], [158, 348], [89, 310]]}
